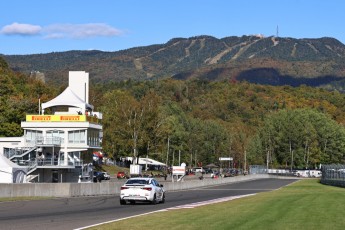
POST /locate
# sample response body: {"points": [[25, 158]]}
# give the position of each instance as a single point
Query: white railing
{"points": [[33, 163], [49, 140]]}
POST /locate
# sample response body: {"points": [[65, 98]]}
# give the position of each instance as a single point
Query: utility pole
{"points": [[147, 155], [245, 160], [173, 160], [191, 158], [291, 160], [267, 159], [179, 157], [166, 162], [291, 151]]}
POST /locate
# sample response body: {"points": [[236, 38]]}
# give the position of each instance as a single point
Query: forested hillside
{"points": [[201, 120], [19, 95], [206, 120], [257, 59]]}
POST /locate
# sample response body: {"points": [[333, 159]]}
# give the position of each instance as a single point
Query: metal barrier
{"points": [[257, 169], [333, 174]]}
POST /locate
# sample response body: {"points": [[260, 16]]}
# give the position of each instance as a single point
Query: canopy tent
{"points": [[212, 166], [67, 98], [98, 154], [5, 170], [148, 161], [11, 172]]}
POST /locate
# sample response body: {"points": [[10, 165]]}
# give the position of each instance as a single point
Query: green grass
{"points": [[306, 204], [113, 170]]}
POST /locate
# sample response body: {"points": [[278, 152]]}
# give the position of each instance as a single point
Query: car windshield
{"points": [[137, 182]]}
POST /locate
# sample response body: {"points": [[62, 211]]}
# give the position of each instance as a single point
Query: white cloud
{"points": [[56, 31], [80, 31], [21, 29]]}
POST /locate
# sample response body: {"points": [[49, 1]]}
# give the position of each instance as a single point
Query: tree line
{"points": [[197, 122]]}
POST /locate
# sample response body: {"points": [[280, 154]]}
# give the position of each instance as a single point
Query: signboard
{"points": [[61, 118], [178, 170], [225, 158], [49, 118]]}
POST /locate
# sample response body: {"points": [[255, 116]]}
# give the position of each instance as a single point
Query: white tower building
{"points": [[59, 141]]}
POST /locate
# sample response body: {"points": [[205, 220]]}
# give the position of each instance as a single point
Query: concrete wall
{"points": [[106, 187]]}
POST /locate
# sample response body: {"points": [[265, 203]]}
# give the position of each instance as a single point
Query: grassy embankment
{"points": [[113, 170], [306, 204]]}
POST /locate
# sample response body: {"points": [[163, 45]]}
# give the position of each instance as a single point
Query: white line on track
{"points": [[192, 205], [236, 189], [197, 204]]}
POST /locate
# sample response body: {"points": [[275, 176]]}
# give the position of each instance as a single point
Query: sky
{"points": [[43, 26]]}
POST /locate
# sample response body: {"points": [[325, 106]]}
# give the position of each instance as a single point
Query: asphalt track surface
{"points": [[73, 213]]}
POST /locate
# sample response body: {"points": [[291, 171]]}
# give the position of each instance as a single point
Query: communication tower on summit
{"points": [[277, 32]]}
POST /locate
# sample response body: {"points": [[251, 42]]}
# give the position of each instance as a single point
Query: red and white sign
{"points": [[178, 170]]}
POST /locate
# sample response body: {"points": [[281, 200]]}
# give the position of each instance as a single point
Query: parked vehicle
{"points": [[307, 173], [135, 170], [106, 176], [230, 172], [142, 190], [121, 175], [98, 176], [208, 171], [198, 170]]}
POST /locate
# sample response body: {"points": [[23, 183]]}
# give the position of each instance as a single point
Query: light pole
{"points": [[291, 159]]}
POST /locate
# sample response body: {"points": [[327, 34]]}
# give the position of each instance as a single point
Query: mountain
{"points": [[258, 59]]}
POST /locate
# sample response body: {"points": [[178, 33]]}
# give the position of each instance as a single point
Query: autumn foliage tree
{"points": [[301, 138]]}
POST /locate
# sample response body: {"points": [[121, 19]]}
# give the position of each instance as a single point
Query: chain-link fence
{"points": [[257, 169], [333, 175]]}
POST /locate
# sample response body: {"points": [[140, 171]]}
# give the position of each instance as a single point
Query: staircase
{"points": [[31, 166], [16, 155], [30, 178]]}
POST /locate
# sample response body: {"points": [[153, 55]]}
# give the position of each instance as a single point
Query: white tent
{"points": [[5, 170], [67, 98], [149, 161], [11, 172]]}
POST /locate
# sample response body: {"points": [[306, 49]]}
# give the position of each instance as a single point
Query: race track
{"points": [[73, 213]]}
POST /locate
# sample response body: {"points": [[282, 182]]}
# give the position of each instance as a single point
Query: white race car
{"points": [[142, 189]]}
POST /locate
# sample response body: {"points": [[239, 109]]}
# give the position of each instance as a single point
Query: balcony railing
{"points": [[48, 140], [32, 163]]}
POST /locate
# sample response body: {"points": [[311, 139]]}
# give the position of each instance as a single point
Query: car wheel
{"points": [[122, 202], [163, 199], [154, 200]]}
